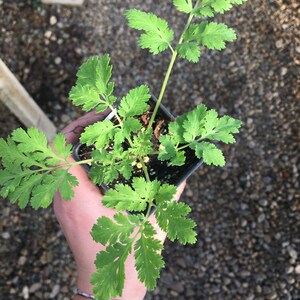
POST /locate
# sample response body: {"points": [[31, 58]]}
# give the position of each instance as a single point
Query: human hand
{"points": [[77, 217]]}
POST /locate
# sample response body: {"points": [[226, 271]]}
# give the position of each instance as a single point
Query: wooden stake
{"points": [[16, 98], [66, 2]]}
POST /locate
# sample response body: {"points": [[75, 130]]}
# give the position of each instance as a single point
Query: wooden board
{"points": [[66, 2], [16, 98]]}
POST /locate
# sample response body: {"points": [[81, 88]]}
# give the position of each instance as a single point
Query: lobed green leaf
{"points": [[210, 34], [157, 36], [93, 89], [98, 134], [148, 260], [108, 231], [108, 280], [171, 217], [193, 124], [141, 144], [210, 153], [135, 102], [190, 51], [208, 8], [185, 6]]}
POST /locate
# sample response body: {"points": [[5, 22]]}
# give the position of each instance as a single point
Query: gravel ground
{"points": [[248, 213]]}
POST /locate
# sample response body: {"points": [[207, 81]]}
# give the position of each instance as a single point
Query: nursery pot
{"points": [[158, 169]]}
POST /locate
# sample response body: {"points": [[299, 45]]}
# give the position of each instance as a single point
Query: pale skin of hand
{"points": [[77, 217]]}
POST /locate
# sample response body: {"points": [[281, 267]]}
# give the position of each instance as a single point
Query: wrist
{"points": [[84, 281]]}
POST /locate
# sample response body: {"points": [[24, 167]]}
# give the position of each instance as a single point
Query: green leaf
{"points": [[185, 6], [134, 198], [60, 147], [158, 36], [87, 96], [108, 280], [10, 154], [148, 260], [108, 231], [22, 192], [96, 72], [33, 144], [125, 167], [193, 123], [11, 177], [221, 6], [130, 126], [214, 35], [96, 174], [109, 165], [93, 89], [208, 8], [61, 181], [141, 144], [190, 51], [98, 134], [35, 141], [135, 102], [105, 173], [123, 197], [171, 217], [210, 153], [30, 173], [165, 193], [211, 120], [223, 130], [178, 160], [167, 149], [176, 129], [146, 190]]}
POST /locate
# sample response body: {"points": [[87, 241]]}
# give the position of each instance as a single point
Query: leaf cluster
{"points": [[158, 37], [196, 130], [93, 89], [133, 234], [31, 172], [208, 8]]}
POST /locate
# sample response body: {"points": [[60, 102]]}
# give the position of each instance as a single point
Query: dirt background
{"points": [[248, 213]]}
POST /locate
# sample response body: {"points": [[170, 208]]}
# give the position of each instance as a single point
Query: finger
{"points": [[73, 131]]}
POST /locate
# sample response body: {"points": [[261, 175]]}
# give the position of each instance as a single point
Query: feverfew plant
{"points": [[121, 148]]}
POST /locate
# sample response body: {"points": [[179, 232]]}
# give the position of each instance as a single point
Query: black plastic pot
{"points": [[169, 174]]}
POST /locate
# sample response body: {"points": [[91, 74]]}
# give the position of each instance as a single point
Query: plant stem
{"points": [[145, 170], [86, 161], [188, 145], [116, 115], [167, 76]]}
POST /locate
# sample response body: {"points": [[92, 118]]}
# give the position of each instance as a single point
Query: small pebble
{"points": [[22, 260], [54, 291], [25, 292], [34, 287], [5, 235], [283, 71], [293, 253], [48, 34], [53, 20], [279, 44], [57, 60]]}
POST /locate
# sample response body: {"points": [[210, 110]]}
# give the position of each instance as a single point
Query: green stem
{"points": [[86, 161], [116, 115], [188, 145], [67, 164], [145, 169], [167, 76]]}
